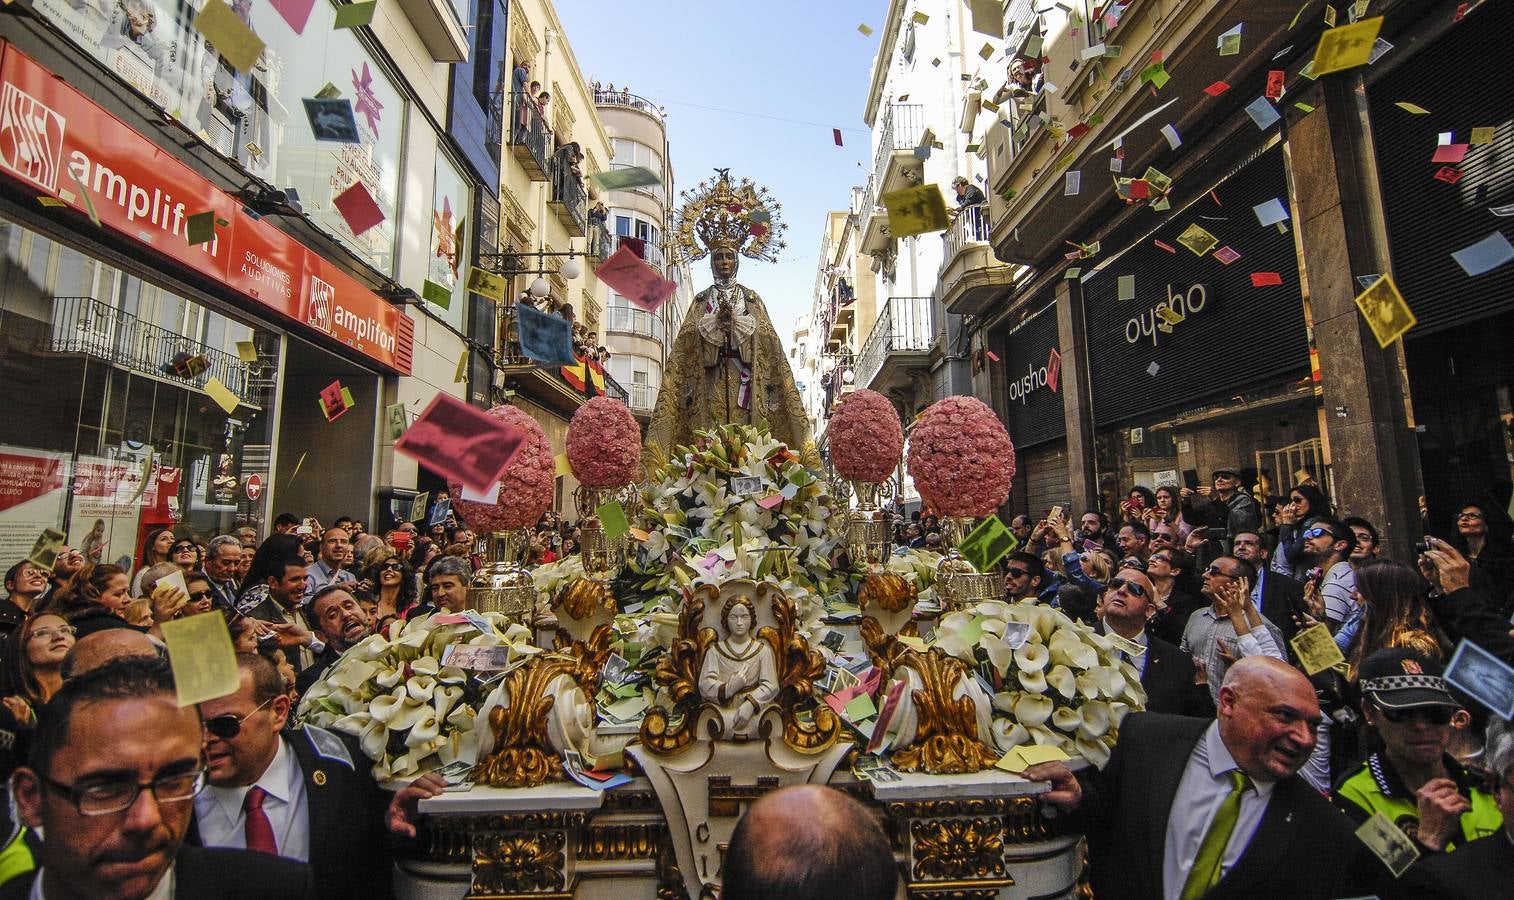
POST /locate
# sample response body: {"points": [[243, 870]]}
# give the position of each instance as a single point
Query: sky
{"points": [[755, 87]]}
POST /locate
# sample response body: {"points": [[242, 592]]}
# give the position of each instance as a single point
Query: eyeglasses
{"points": [[1434, 715], [72, 554], [1215, 570], [1160, 558], [1316, 532], [1129, 587], [1470, 515], [102, 799], [393, 564], [229, 726], [50, 633], [181, 548], [1018, 573], [203, 595]]}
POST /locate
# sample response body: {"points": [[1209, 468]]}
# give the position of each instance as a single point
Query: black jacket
{"points": [[349, 845], [216, 874], [1303, 847], [1476, 871], [1282, 597], [1467, 614]]}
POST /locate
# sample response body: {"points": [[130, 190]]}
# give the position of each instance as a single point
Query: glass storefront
{"points": [[109, 431]]}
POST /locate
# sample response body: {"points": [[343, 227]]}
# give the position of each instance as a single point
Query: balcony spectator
{"points": [[970, 201], [525, 108]]}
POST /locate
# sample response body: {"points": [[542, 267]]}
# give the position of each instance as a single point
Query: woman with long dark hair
{"points": [[32, 665], [155, 549], [1306, 505], [1169, 508], [392, 581], [1395, 613], [1176, 592], [1481, 534]]}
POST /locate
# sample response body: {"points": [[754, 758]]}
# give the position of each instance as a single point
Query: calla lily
{"points": [[1073, 653], [1004, 701], [451, 675], [999, 654], [1117, 713], [1134, 693], [1032, 710], [993, 609], [1043, 737], [444, 697], [1020, 611], [390, 677], [1044, 621], [1008, 735], [993, 627], [1033, 680], [373, 740], [352, 724], [1032, 658], [408, 713], [1061, 680], [420, 688], [1088, 685], [426, 665], [1065, 718], [386, 706], [1093, 720], [1093, 751], [426, 730]]}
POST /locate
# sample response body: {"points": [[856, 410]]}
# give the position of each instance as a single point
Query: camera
{"points": [[1424, 546]]}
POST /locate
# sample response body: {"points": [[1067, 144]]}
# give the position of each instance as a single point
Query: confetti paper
{"points": [[1271, 212], [355, 15], [1482, 135], [1485, 255], [1216, 89], [1346, 47], [1385, 310], [1227, 255], [1263, 113], [865, 29], [1414, 108], [222, 395], [916, 210], [1450, 153], [358, 208], [200, 228], [1265, 279], [1127, 287], [1195, 238], [234, 41], [1073, 183]]}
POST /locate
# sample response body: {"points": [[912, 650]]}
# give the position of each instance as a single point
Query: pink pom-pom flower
{"points": [[526, 489], [961, 458], [604, 444], [866, 437]]}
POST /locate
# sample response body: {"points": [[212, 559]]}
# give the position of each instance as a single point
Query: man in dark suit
{"points": [[1278, 597], [1166, 670], [115, 763], [306, 794], [1189, 809]]}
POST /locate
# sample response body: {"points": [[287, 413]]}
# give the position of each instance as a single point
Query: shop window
{"points": [[109, 429]]}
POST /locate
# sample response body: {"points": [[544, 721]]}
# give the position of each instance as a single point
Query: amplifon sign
{"points": [[1164, 316], [1048, 375], [60, 143]]}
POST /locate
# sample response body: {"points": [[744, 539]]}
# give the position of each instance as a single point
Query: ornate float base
{"points": [[967, 837]]}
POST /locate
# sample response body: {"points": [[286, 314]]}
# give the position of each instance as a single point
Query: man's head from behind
{"points": [[809, 843], [242, 729], [97, 648], [102, 737], [1268, 713]]}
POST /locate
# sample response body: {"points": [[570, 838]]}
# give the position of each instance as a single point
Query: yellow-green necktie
{"points": [[1205, 873]]}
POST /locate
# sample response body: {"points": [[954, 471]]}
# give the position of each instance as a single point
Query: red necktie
{"points": [[259, 829]]}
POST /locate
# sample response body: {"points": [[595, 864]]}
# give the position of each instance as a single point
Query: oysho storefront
{"points": [[1033, 410], [1198, 361], [149, 380]]}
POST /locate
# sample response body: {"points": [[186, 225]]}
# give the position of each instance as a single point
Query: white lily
{"points": [[999, 654], [1032, 658], [1088, 685], [1004, 701], [1093, 720], [1061, 680], [1093, 751], [1033, 680], [426, 665], [993, 609], [1007, 735], [1043, 737], [1065, 718], [386, 706], [1033, 709], [420, 688], [426, 730]]}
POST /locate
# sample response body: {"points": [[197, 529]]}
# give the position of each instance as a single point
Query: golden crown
{"points": [[719, 214]]}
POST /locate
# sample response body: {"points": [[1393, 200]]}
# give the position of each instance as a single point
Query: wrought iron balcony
{"points": [[635, 321], [905, 329], [529, 137], [642, 397], [85, 326], [570, 203], [900, 132], [605, 97], [601, 243]]}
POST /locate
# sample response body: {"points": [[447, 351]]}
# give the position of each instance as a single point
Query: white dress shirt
{"points": [[1205, 785], [1136, 659], [164, 890], [223, 822]]}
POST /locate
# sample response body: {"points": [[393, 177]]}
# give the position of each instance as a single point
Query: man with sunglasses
{"points": [[1166, 671], [307, 794], [1327, 553], [1025, 578], [114, 769], [1224, 511], [1413, 780], [1215, 636]]}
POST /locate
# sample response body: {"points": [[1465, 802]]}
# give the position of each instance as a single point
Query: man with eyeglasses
{"points": [[1332, 587], [1166, 671], [1025, 578], [66, 566], [114, 769], [1413, 780], [340, 621], [306, 794], [1279, 597], [1219, 633]]}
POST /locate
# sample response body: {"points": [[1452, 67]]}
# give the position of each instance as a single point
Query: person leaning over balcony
{"points": [[969, 198]]}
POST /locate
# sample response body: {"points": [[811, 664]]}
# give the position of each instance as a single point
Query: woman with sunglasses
{"points": [[185, 554], [1175, 593], [155, 550], [1412, 780], [32, 665], [392, 581]]}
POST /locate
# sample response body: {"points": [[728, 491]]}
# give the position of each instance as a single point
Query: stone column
{"points": [[1077, 404], [1332, 172]]}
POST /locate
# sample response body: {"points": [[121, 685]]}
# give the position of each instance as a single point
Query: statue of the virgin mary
{"points": [[727, 364]]}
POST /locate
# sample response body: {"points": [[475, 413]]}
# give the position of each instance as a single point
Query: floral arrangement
{"points": [[526, 489], [409, 711], [1065, 686], [866, 437], [604, 444], [961, 458]]}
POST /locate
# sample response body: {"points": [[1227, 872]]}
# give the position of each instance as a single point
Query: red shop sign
{"points": [[58, 141]]}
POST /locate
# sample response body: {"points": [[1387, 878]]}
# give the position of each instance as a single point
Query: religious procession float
{"points": [[736, 622]]}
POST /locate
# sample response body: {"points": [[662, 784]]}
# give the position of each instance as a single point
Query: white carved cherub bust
{"points": [[739, 674]]}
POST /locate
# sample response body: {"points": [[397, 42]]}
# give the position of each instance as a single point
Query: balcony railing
{"points": [[617, 391], [569, 200], [86, 326], [529, 137], [635, 321], [901, 129], [642, 397], [970, 227], [904, 326], [605, 97], [601, 244], [867, 206]]}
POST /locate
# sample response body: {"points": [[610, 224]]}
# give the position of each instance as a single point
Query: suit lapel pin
{"points": [[319, 777]]}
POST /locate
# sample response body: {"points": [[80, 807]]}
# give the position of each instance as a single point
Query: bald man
{"points": [[100, 647], [809, 843], [1236, 776]]}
